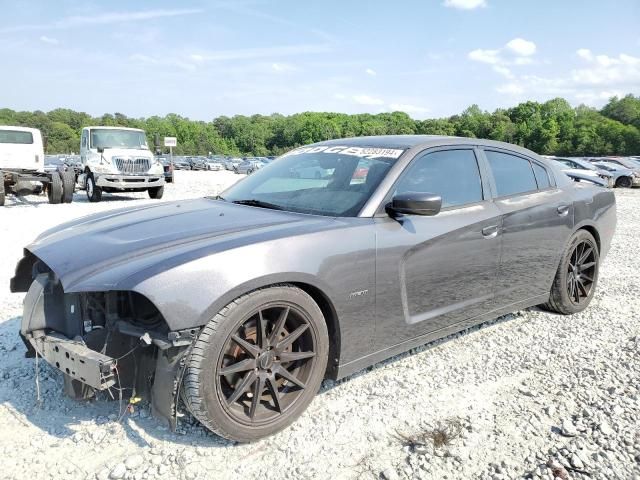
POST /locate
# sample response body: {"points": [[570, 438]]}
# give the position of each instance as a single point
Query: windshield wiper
{"points": [[258, 203]]}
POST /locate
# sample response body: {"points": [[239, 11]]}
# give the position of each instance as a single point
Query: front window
{"points": [[16, 137], [322, 180], [113, 138]]}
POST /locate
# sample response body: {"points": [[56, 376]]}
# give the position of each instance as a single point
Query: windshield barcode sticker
{"points": [[363, 152]]}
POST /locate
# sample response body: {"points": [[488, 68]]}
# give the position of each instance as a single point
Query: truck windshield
{"points": [[112, 138], [16, 136]]}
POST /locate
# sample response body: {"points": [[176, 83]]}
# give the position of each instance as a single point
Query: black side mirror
{"points": [[415, 203], [100, 149]]}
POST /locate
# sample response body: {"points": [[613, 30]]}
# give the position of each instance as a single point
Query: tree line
{"points": [[550, 128]]}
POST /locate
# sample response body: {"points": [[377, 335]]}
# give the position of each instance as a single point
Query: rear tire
{"points": [[271, 345], [68, 186], [54, 189], [2, 194], [156, 192], [624, 182], [577, 276], [94, 193]]}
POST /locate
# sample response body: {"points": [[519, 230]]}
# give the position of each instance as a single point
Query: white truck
{"points": [[22, 167], [118, 159]]}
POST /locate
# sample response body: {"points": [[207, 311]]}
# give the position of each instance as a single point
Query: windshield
{"points": [[323, 180], [16, 137], [112, 138]]}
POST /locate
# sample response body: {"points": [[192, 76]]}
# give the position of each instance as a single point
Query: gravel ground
{"points": [[528, 395]]}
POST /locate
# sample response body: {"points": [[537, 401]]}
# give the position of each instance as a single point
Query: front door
{"points": [[433, 272]]}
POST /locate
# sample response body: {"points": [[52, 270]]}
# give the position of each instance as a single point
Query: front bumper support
{"points": [[77, 360]]}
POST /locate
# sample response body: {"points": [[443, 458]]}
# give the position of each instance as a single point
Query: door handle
{"points": [[563, 210], [490, 231]]}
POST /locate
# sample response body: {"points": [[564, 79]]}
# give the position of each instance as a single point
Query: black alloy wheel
{"points": [[266, 364], [576, 278], [581, 272], [257, 364]]}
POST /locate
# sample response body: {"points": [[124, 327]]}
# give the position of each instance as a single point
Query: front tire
{"points": [[156, 192], [94, 192], [258, 364], [575, 282]]}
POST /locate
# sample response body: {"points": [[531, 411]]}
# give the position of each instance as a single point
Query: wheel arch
{"points": [[593, 230]]}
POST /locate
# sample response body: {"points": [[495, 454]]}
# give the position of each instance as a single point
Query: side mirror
{"points": [[415, 203], [100, 149]]}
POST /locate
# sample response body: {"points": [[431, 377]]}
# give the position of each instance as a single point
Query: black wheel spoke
{"points": [[247, 381], [261, 329], [581, 288], [252, 350], [293, 356], [272, 386], [277, 329], [241, 366], [258, 388], [585, 254], [287, 375], [292, 337], [586, 266]]}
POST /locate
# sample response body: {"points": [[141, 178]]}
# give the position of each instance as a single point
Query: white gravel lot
{"points": [[528, 395]]}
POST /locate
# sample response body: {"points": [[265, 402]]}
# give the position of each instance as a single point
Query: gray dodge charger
{"points": [[329, 259]]}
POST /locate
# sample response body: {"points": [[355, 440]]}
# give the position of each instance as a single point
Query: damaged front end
{"points": [[104, 341]]}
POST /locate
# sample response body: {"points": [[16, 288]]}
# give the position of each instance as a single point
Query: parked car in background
{"points": [[215, 164], [197, 163], [623, 177], [231, 162], [584, 170], [180, 163], [284, 281], [626, 163], [248, 166], [168, 168]]}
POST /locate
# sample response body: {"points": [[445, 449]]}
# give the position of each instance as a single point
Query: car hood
{"points": [[130, 240]]}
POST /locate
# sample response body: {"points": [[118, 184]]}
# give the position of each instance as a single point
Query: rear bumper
{"points": [[126, 182]]}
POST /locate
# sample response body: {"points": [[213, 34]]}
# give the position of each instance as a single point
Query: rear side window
{"points": [[452, 174], [542, 177], [16, 137], [512, 174]]}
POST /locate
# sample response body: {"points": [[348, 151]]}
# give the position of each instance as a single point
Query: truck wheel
{"points": [[156, 192], [68, 186], [94, 193], [54, 189], [1, 190]]}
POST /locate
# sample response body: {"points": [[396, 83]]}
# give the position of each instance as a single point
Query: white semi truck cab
{"points": [[117, 159]]}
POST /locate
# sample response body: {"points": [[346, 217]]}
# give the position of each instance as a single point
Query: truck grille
{"points": [[132, 165]]}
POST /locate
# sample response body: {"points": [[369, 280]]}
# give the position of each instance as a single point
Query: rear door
{"points": [[433, 272], [536, 224]]}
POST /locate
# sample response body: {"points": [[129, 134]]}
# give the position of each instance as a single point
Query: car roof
{"points": [[405, 142]]}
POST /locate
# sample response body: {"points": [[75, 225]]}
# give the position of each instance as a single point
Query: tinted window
{"points": [[542, 177], [512, 174], [16, 136], [452, 174]]}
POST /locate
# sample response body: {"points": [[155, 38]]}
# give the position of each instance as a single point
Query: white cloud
{"points": [[465, 4], [104, 19], [521, 47], [485, 56], [367, 100], [278, 51], [510, 89], [407, 108], [371, 71], [49, 40], [504, 71], [606, 71], [585, 53], [282, 67]]}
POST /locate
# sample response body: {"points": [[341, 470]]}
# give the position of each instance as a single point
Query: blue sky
{"points": [[203, 59]]}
